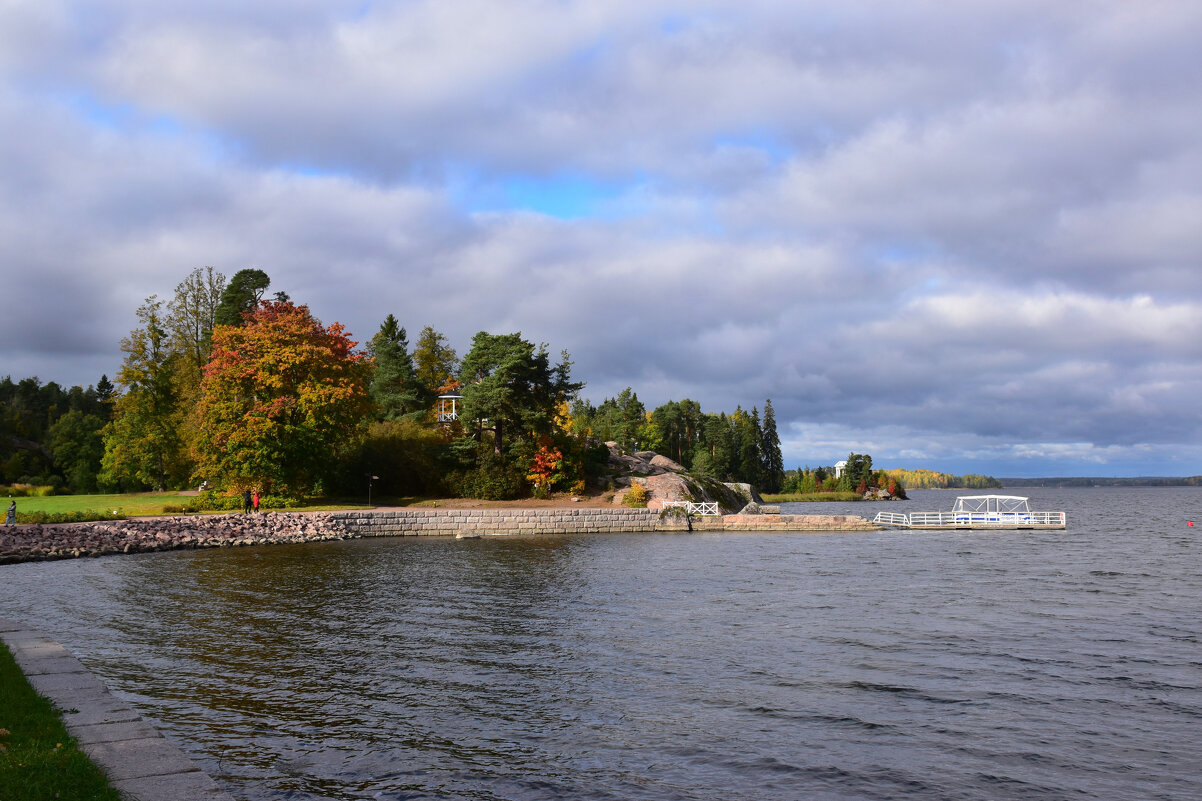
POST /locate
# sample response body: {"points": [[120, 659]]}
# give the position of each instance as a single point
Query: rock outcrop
{"points": [[666, 481]]}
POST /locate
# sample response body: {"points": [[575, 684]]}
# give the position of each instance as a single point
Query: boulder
{"points": [[663, 462]]}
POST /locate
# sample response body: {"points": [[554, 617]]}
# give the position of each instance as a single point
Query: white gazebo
{"points": [[448, 407]]}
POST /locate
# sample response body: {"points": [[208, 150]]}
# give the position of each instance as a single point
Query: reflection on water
{"points": [[921, 664]]}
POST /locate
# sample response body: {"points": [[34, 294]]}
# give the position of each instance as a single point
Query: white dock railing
{"points": [[690, 508], [971, 519]]}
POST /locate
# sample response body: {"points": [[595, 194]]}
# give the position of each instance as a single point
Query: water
{"points": [[926, 665]]}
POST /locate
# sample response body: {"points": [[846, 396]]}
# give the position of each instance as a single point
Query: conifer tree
{"points": [[394, 386], [242, 294], [774, 464]]}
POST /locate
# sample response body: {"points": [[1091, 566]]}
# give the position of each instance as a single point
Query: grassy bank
{"points": [[130, 505], [138, 504], [39, 761], [813, 497]]}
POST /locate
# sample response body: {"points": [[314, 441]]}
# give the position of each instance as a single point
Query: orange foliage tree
{"points": [[282, 400], [545, 469]]}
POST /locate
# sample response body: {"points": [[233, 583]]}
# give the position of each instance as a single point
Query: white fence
{"points": [[971, 519], [690, 508]]}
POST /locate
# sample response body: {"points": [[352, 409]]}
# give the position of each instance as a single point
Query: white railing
{"points": [[690, 508], [976, 519]]}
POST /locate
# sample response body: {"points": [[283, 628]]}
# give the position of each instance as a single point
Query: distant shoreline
{"points": [[1095, 481]]}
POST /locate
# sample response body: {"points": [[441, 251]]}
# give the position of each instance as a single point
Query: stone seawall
{"points": [[488, 522], [37, 542]]}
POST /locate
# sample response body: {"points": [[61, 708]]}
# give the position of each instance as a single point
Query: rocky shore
{"points": [[38, 542]]}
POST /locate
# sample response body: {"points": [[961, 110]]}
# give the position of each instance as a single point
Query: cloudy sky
{"points": [[962, 236]]}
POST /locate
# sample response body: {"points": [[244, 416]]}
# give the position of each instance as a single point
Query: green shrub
{"points": [[493, 480], [213, 501], [27, 490]]}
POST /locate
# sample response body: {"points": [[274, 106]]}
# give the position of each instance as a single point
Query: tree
{"points": [[506, 385], [857, 471], [283, 399], [774, 464], [192, 313], [434, 360], [106, 395], [748, 436], [142, 444], [240, 296], [621, 419], [714, 453], [78, 447], [394, 386]]}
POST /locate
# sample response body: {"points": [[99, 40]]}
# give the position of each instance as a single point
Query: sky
{"points": [[958, 236]]}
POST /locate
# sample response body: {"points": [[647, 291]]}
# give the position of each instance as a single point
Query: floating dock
{"points": [[978, 512]]}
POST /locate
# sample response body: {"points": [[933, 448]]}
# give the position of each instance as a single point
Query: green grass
{"points": [[142, 503], [39, 761], [813, 497]]}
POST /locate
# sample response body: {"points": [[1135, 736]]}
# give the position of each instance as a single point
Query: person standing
{"points": [[11, 520], [246, 502], [255, 499]]}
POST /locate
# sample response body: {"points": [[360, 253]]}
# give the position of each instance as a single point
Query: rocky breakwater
{"points": [[67, 541]]}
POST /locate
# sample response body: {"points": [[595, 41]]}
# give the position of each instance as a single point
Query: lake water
{"points": [[925, 665]]}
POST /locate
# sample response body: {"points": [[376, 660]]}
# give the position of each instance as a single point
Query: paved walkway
{"points": [[139, 761]]}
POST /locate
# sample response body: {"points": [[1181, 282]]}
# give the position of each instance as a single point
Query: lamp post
{"points": [[370, 478]]}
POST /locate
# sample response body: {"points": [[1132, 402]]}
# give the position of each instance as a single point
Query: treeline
{"points": [[930, 479], [224, 386], [53, 436], [739, 447], [1083, 481], [856, 476]]}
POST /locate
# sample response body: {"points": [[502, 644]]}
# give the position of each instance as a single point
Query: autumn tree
{"points": [[142, 443], [283, 398], [435, 361]]}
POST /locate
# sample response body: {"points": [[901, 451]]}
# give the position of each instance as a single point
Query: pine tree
{"points": [[773, 465], [394, 386], [242, 294]]}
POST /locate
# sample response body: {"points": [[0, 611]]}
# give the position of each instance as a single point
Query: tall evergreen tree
{"points": [[774, 463], [507, 388], [394, 386]]}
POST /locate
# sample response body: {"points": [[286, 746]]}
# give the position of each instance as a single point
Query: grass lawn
{"points": [[141, 503], [138, 504], [39, 761]]}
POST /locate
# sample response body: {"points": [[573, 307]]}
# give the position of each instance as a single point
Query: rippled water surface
{"points": [[1001, 665]]}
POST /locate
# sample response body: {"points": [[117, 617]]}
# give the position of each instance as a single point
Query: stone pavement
{"points": [[139, 761]]}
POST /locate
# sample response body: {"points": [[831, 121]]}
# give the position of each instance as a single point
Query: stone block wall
{"points": [[485, 522]]}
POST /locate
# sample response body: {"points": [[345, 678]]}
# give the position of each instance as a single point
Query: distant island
{"points": [[1090, 481]]}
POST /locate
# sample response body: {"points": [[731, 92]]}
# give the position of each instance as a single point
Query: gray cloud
{"points": [[958, 237]]}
